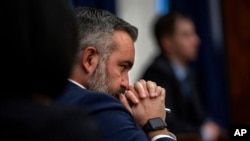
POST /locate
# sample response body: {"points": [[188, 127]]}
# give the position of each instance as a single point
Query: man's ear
{"points": [[90, 59]]}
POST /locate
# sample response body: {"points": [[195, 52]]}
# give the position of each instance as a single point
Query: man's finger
{"points": [[151, 86], [159, 90], [140, 89], [143, 82], [163, 92], [125, 102], [131, 97]]}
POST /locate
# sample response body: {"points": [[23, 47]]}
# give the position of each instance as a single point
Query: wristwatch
{"points": [[154, 124]]}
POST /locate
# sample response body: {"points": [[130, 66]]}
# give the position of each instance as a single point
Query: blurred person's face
{"points": [[184, 41], [111, 75]]}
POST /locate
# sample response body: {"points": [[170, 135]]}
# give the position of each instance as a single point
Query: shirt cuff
{"points": [[171, 136]]}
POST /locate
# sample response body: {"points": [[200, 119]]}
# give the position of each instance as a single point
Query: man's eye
{"points": [[123, 67]]}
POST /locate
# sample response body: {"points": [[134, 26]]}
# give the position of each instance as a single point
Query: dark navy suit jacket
{"points": [[114, 120]]}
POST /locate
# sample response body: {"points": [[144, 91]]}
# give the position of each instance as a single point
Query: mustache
{"points": [[122, 90]]}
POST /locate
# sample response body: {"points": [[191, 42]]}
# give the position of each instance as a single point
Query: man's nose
{"points": [[125, 82]]}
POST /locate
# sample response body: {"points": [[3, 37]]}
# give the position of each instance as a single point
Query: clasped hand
{"points": [[145, 100]]}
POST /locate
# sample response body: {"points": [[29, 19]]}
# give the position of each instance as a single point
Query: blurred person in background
{"points": [[40, 41], [178, 42]]}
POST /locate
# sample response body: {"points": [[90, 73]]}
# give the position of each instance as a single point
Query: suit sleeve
{"points": [[114, 121]]}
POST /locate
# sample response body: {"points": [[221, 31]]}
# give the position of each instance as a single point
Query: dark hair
{"points": [[165, 25], [40, 43], [96, 28]]}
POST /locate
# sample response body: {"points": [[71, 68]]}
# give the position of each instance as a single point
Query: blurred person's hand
{"points": [[210, 131]]}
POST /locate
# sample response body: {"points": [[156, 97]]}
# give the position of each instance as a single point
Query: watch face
{"points": [[157, 123]]}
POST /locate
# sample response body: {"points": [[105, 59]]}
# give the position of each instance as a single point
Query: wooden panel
{"points": [[236, 17]]}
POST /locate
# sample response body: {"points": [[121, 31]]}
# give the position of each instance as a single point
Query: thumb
{"points": [[125, 102]]}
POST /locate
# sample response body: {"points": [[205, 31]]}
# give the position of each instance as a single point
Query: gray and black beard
{"points": [[100, 81]]}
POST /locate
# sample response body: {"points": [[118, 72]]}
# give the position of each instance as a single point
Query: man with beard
{"points": [[105, 56]]}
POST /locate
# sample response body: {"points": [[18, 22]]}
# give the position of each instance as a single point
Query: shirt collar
{"points": [[179, 71], [78, 84]]}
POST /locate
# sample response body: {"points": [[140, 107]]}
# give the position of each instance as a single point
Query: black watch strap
{"points": [[154, 124]]}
